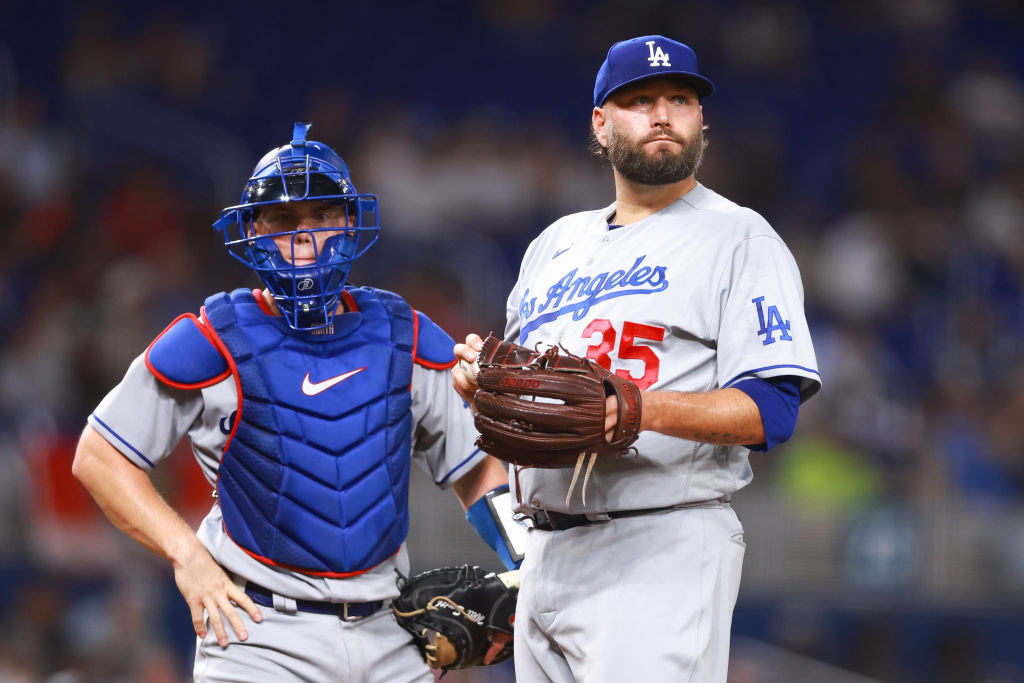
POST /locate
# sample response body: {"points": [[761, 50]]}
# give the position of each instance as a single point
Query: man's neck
{"points": [[635, 202]]}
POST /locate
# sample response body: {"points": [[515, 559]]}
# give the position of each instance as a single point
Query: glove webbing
{"points": [[432, 605]]}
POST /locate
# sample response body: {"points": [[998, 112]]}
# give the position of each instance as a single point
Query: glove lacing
{"points": [[432, 605], [586, 477]]}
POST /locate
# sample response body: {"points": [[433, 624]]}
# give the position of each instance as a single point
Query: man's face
{"points": [[653, 131], [299, 228]]}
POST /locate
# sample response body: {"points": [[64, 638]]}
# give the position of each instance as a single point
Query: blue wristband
{"points": [[482, 516]]}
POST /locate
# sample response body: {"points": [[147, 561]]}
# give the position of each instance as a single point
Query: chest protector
{"points": [[316, 475]]}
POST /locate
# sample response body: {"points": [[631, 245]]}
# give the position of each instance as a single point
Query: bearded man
{"points": [[697, 301]]}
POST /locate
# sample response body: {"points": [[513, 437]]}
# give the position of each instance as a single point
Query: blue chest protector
{"points": [[316, 476]]}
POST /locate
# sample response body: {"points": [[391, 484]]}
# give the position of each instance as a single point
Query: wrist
{"points": [[186, 552], [648, 411]]}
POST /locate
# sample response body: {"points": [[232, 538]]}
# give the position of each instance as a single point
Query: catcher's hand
{"points": [[459, 616], [545, 409]]}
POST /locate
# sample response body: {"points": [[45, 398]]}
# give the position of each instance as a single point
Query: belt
{"points": [[549, 520], [348, 611]]}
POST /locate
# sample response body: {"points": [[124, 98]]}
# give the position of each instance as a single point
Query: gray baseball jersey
{"points": [[696, 297], [145, 419]]}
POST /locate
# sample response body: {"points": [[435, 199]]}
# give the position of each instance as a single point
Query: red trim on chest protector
{"points": [[300, 570], [350, 303], [261, 302]]}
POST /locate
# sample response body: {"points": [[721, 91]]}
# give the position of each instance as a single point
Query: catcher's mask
{"points": [[302, 170]]}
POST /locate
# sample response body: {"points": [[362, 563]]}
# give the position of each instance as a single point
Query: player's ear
{"points": [[597, 124]]}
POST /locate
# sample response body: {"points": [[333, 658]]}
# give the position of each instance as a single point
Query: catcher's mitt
{"points": [[568, 420], [456, 615]]}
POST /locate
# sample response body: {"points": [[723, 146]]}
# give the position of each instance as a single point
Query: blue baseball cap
{"points": [[633, 60]]}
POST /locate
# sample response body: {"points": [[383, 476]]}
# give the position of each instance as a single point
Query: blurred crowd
{"points": [[883, 141]]}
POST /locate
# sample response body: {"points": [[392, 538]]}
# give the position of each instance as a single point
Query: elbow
{"points": [[87, 461], [783, 435], [487, 475], [779, 429], [80, 465], [783, 430], [788, 426]]}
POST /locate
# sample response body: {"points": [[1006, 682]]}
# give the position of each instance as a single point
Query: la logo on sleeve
{"points": [[773, 324]]}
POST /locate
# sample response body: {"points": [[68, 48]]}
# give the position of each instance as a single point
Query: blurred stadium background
{"points": [[883, 140]]}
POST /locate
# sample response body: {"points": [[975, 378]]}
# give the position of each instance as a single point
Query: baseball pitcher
{"points": [[633, 546]]}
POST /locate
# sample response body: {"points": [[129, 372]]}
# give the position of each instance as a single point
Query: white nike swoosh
{"points": [[314, 388]]}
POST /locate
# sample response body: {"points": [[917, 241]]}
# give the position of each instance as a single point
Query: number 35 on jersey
{"points": [[627, 348]]}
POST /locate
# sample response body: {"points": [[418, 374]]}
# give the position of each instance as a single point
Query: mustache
{"points": [[665, 132]]}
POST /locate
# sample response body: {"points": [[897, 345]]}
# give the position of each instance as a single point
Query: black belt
{"points": [[549, 520], [349, 611]]}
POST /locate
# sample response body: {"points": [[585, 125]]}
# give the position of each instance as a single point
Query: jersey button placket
{"points": [[602, 239]]}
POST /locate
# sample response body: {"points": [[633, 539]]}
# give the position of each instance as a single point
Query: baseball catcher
{"points": [[548, 409], [305, 403], [459, 616]]}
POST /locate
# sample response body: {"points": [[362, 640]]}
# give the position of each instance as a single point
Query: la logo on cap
{"points": [[657, 55]]}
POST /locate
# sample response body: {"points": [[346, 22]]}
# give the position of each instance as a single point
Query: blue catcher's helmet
{"points": [[302, 170]]}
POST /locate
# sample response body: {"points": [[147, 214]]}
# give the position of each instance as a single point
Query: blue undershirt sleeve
{"points": [[778, 400]]}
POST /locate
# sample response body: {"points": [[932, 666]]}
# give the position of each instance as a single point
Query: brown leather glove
{"points": [[546, 409]]}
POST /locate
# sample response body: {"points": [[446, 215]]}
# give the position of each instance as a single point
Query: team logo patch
{"points": [[771, 322], [657, 55]]}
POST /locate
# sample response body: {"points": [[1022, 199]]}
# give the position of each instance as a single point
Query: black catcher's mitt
{"points": [[455, 614], [566, 423]]}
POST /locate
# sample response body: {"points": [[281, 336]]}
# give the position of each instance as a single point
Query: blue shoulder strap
{"points": [[183, 357]]}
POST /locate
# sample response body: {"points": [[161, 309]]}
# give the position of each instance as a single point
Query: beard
{"points": [[662, 167]]}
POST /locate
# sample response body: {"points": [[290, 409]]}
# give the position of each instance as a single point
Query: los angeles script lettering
{"points": [[579, 293]]}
